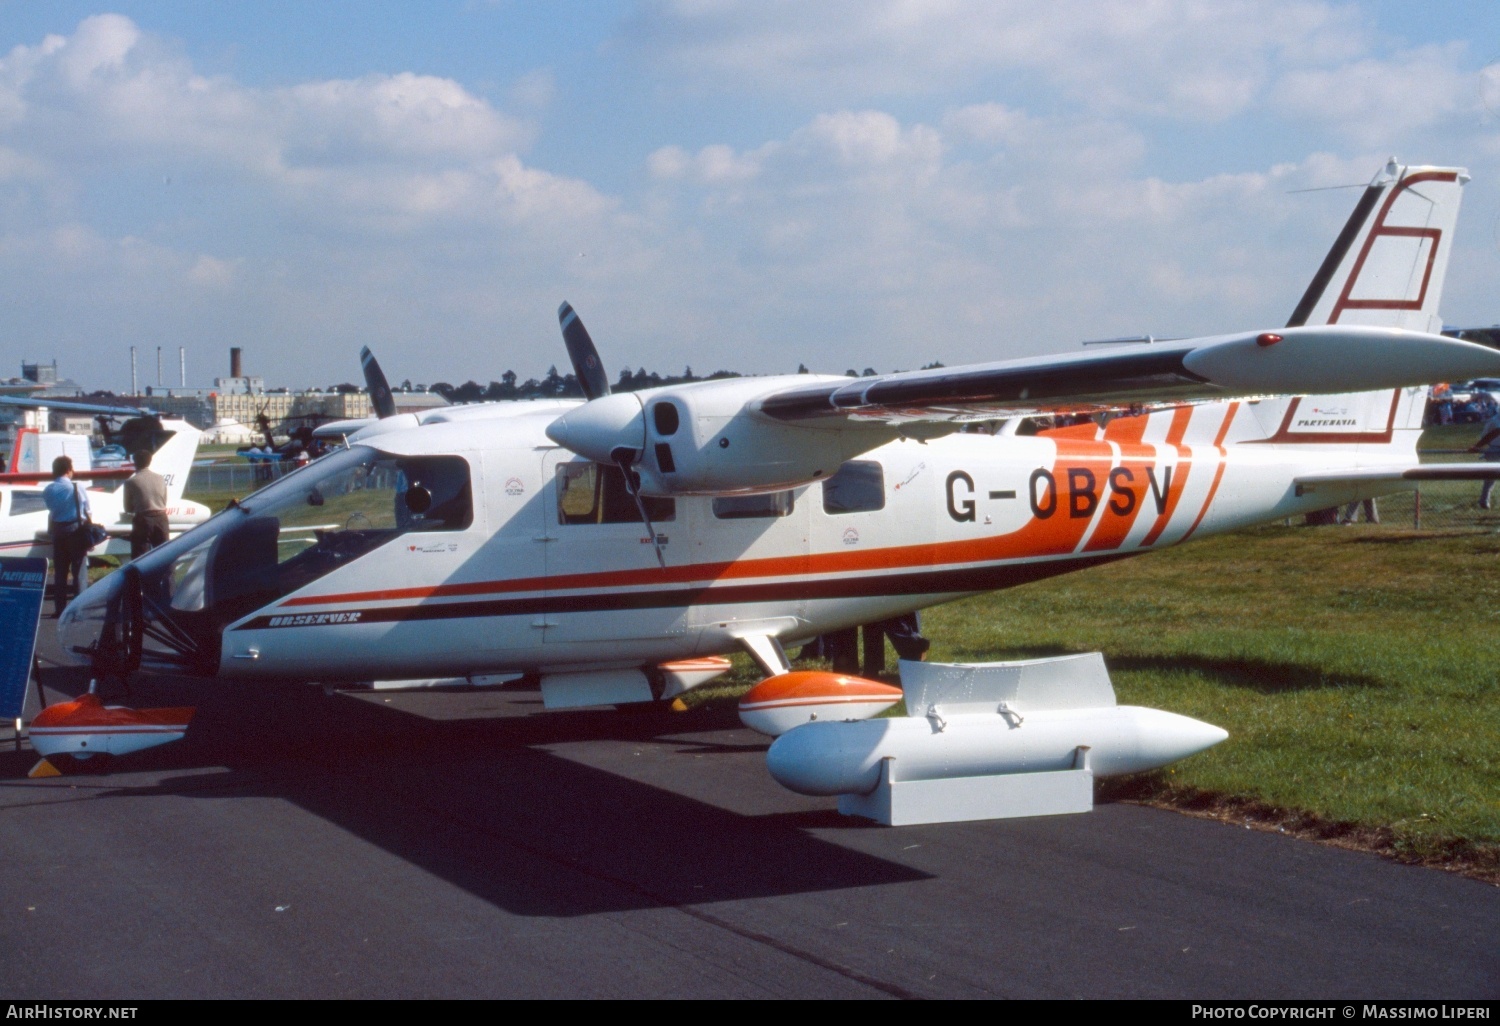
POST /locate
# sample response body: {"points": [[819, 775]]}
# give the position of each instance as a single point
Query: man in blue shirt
{"points": [[67, 516]]}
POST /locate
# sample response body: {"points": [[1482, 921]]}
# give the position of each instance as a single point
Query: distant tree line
{"points": [[553, 386], [565, 386]]}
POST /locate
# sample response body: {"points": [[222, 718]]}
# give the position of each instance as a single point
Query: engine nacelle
{"points": [[706, 439]]}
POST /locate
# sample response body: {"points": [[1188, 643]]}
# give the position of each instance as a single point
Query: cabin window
{"points": [[858, 487], [380, 494], [22, 503], [594, 493], [310, 523], [750, 507]]}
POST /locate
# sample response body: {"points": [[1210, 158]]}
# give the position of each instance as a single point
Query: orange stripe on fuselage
{"points": [[1127, 430], [1175, 433], [1219, 472], [1126, 492], [1087, 466], [1088, 432]]}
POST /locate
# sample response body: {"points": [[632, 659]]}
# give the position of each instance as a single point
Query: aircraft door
{"points": [[513, 558], [753, 552], [605, 586]]}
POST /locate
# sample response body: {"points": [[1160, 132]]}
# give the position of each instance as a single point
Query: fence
{"points": [[1441, 505], [214, 484]]}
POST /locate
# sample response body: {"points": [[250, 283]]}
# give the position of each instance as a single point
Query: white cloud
{"points": [[207, 270], [909, 242], [377, 207], [383, 148], [991, 123], [99, 47], [711, 165], [143, 201], [1194, 59], [1374, 99]]}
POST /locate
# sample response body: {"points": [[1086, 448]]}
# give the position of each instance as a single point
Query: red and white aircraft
{"points": [[594, 543], [23, 514]]}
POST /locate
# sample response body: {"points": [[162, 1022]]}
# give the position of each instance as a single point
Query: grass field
{"points": [[1355, 668]]}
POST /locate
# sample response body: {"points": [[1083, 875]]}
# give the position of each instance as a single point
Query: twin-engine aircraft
{"points": [[600, 545]]}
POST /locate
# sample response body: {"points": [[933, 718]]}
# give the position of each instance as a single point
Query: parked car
{"points": [[109, 457], [1474, 401]]}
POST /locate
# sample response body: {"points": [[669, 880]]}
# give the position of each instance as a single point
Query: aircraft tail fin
{"points": [[1386, 267], [173, 460]]}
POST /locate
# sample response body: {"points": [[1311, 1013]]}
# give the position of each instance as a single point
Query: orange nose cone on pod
{"points": [[777, 704], [87, 725]]}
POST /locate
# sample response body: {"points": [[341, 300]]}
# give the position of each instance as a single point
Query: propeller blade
{"points": [[381, 399], [581, 351]]}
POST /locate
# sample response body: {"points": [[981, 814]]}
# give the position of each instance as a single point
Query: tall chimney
{"points": [[134, 390], [182, 364], [234, 362], [158, 367]]}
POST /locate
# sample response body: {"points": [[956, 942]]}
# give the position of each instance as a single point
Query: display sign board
{"points": [[22, 584]]}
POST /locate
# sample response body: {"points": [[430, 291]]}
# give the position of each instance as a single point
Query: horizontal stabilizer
{"points": [[1426, 472]]}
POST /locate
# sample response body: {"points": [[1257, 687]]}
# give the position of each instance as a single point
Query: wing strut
{"points": [[624, 456], [767, 652]]}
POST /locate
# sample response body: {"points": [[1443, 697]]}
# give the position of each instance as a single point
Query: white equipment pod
{"points": [[986, 741]]}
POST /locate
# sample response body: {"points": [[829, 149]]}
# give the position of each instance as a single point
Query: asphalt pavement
{"points": [[298, 844]]}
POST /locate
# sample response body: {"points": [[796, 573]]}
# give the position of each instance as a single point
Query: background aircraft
{"points": [[174, 443]]}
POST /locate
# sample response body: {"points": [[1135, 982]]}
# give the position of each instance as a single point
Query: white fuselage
{"points": [[518, 589]]}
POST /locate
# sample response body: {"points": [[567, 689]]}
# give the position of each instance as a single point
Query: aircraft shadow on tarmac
{"points": [[474, 802]]}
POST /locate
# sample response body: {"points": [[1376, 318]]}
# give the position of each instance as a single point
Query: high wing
{"points": [[1289, 361], [762, 434]]}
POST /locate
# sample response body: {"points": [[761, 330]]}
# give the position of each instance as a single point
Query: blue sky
{"points": [[744, 184]]}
